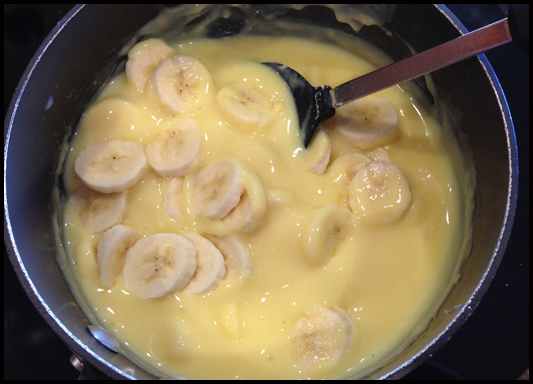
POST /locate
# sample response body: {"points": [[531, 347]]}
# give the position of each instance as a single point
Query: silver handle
{"points": [[461, 48]]}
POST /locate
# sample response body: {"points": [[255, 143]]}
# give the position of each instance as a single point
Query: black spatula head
{"points": [[313, 105]]}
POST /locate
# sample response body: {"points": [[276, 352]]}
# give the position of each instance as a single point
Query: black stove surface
{"points": [[492, 344]]}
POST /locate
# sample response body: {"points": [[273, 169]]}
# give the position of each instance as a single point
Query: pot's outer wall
{"points": [[29, 234]]}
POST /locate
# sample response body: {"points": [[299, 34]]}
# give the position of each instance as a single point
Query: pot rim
{"points": [[80, 349]]}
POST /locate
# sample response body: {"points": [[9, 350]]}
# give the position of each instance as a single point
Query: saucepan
{"points": [[85, 49]]}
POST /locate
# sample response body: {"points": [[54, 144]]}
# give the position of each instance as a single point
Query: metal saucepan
{"points": [[81, 53]]}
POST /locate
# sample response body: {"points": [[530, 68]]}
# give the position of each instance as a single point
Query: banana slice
{"points": [[231, 321], [244, 104], [236, 256], [210, 268], [242, 215], [319, 152], [249, 209], [279, 198], [173, 150], [143, 57], [170, 341], [378, 154], [111, 166], [218, 188], [327, 233], [322, 338], [379, 193], [99, 211], [112, 248], [172, 199], [249, 212], [181, 82], [342, 170], [368, 122], [159, 264]]}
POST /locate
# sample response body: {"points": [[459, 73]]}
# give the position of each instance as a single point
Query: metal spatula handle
{"points": [[461, 48]]}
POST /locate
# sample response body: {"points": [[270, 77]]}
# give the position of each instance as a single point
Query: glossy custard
{"points": [[389, 278]]}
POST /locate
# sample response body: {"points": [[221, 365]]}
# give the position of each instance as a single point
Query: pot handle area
{"points": [[87, 371], [518, 15]]}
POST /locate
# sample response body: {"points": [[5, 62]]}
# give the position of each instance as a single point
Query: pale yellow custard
{"points": [[390, 278]]}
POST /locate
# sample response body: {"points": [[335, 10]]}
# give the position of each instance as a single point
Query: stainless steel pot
{"points": [[49, 101]]}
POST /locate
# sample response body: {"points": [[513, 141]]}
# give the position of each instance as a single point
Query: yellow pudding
{"points": [[383, 277]]}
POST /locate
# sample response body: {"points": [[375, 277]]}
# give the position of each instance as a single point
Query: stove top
{"points": [[492, 344]]}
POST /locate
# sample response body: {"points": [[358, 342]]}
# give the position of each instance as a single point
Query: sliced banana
{"points": [[368, 122], [112, 249], [379, 154], [322, 338], [173, 196], [143, 57], [342, 170], [327, 233], [241, 216], [218, 188], [173, 150], [231, 321], [159, 264], [170, 341], [99, 211], [236, 256], [249, 212], [111, 166], [379, 193], [245, 104], [181, 83], [279, 198], [210, 268], [319, 152], [248, 209]]}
